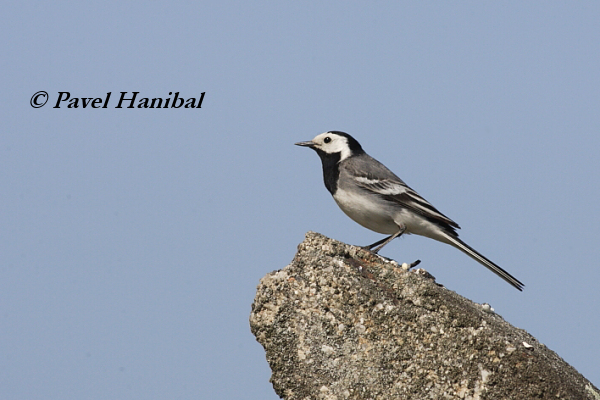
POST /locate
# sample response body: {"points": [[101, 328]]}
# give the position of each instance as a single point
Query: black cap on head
{"points": [[355, 147]]}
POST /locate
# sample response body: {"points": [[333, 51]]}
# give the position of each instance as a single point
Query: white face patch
{"points": [[331, 143]]}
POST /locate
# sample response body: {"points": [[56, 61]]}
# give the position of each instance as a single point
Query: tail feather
{"points": [[468, 250]]}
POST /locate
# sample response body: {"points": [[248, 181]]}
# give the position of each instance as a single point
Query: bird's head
{"points": [[334, 143]]}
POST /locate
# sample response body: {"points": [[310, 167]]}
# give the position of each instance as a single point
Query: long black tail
{"points": [[471, 252]]}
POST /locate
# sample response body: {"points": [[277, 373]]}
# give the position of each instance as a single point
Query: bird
{"points": [[374, 197]]}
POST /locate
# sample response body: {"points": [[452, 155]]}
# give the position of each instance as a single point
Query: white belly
{"points": [[370, 214], [375, 214]]}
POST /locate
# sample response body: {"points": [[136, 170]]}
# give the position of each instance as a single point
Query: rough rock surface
{"points": [[342, 323]]}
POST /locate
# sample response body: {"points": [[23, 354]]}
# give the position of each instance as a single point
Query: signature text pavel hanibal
{"points": [[127, 100]]}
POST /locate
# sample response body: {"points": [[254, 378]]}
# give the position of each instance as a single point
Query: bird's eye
{"points": [[327, 139]]}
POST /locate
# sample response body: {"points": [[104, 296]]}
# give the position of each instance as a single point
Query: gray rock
{"points": [[342, 323]]}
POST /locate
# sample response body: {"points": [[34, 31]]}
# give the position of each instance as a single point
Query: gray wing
{"points": [[376, 178]]}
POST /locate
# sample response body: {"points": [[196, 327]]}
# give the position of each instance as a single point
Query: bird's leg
{"points": [[385, 241], [369, 247]]}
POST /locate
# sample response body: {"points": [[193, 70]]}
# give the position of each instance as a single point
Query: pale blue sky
{"points": [[132, 241]]}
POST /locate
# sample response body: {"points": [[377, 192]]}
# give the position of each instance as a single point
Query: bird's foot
{"points": [[369, 249], [410, 266]]}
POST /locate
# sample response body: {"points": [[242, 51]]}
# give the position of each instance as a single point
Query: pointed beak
{"points": [[305, 144]]}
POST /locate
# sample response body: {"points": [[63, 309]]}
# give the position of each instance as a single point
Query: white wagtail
{"points": [[376, 198]]}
